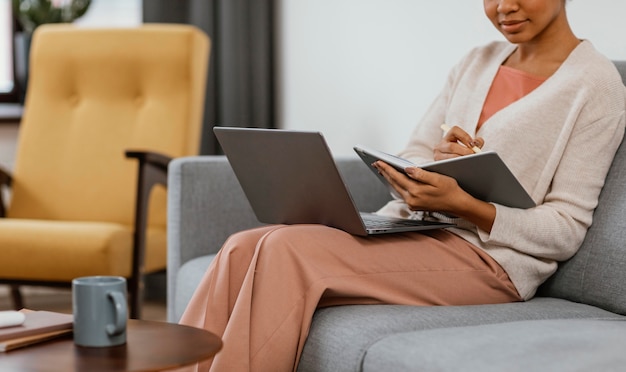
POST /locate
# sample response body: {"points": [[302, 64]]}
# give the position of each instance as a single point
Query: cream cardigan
{"points": [[559, 141]]}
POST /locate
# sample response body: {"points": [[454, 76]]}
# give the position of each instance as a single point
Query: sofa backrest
{"points": [[596, 275], [621, 67]]}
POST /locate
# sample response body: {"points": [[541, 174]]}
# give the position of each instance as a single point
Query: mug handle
{"points": [[121, 313]]}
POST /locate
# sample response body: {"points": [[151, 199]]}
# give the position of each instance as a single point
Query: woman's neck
{"points": [[543, 55]]}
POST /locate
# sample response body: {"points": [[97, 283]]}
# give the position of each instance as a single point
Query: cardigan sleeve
{"points": [[556, 227]]}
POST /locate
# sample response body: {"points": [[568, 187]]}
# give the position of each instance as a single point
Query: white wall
{"points": [[365, 71], [112, 13]]}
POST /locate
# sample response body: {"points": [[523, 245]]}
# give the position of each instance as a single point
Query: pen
{"points": [[446, 128]]}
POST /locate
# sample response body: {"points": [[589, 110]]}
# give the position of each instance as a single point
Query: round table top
{"points": [[150, 346]]}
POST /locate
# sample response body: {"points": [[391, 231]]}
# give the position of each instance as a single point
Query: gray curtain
{"points": [[240, 86]]}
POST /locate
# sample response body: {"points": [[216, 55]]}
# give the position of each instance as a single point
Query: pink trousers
{"points": [[260, 292]]}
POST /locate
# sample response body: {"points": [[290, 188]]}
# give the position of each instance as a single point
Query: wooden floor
{"points": [[60, 300]]}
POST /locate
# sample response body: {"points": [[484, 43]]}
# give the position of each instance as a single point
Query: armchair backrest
{"points": [[92, 94]]}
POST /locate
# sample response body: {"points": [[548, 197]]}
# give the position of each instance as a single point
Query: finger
{"points": [[420, 175], [447, 150], [399, 181], [478, 142], [457, 134]]}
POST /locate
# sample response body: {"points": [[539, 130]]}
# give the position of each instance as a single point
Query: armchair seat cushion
{"points": [[63, 250]]}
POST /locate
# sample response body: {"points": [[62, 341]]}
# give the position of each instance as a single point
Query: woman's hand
{"points": [[423, 190], [456, 142], [428, 191]]}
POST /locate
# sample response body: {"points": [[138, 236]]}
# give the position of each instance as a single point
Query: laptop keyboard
{"points": [[381, 222]]}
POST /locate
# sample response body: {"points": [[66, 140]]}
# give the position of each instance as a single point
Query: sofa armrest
{"points": [[206, 205]]}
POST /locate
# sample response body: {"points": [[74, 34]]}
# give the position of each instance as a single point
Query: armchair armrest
{"points": [[5, 182], [152, 171], [150, 158]]}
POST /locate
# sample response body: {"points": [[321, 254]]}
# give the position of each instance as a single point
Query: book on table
{"points": [[38, 326]]}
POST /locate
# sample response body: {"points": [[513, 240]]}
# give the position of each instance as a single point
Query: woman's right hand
{"points": [[456, 142], [422, 190]]}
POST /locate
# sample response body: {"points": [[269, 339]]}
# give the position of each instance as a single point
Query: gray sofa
{"points": [[575, 323]]}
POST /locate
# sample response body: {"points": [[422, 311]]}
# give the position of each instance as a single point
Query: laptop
{"points": [[290, 177]]}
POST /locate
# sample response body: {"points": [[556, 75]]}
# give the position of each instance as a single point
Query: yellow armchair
{"points": [[94, 94]]}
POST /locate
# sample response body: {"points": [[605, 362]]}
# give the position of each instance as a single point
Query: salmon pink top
{"points": [[508, 86]]}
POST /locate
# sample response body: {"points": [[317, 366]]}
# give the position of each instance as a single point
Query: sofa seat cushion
{"points": [[546, 345], [340, 336]]}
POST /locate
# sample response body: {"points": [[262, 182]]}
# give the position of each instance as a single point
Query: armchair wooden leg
{"points": [[135, 291], [16, 296]]}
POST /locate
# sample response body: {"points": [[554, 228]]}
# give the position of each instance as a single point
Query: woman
{"points": [[547, 102]]}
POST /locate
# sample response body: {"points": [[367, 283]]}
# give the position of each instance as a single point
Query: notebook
{"points": [[483, 175], [290, 177]]}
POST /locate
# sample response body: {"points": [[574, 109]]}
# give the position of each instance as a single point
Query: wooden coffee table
{"points": [[150, 346]]}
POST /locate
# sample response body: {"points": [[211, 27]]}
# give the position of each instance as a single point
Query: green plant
{"points": [[33, 13]]}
